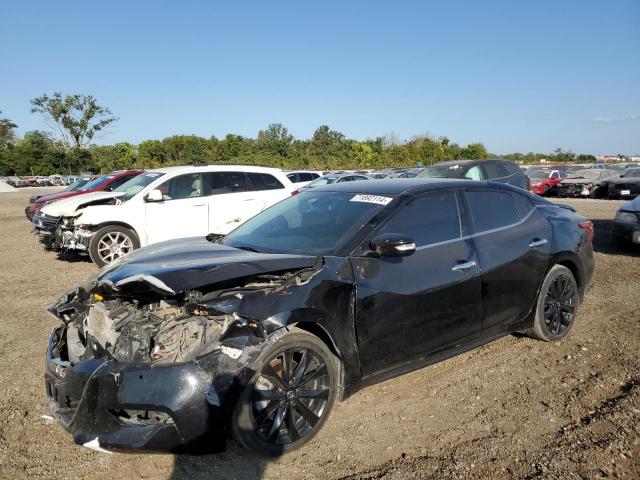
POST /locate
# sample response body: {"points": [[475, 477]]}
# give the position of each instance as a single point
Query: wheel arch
{"points": [[118, 223], [317, 330], [569, 261]]}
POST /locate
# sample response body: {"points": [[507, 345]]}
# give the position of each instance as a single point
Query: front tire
{"points": [[111, 242], [557, 305], [289, 398]]}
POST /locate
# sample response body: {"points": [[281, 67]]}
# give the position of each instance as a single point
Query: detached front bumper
{"points": [[172, 408], [626, 231]]}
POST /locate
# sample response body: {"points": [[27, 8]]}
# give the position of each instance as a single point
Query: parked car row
{"points": [[40, 181], [594, 182]]}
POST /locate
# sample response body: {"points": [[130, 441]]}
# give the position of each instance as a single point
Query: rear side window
{"points": [[428, 219], [523, 204], [493, 170], [217, 183], [474, 173], [307, 177], [264, 181], [510, 168], [491, 209]]}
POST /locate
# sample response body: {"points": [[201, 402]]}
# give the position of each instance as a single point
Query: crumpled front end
{"points": [[139, 366], [575, 189]]}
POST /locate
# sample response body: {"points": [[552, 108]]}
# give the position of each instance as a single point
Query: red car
{"points": [[544, 182], [105, 183]]}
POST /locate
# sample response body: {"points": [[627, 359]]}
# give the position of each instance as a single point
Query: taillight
{"points": [[295, 192], [588, 226]]}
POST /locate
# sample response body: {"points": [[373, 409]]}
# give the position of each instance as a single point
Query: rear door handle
{"points": [[198, 205], [538, 243], [464, 266]]}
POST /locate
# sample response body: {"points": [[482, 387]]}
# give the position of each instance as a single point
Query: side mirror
{"points": [[393, 245], [154, 195]]}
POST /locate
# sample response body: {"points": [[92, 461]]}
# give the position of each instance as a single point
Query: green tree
{"points": [[7, 135], [275, 140], [474, 151], [107, 158], [152, 154], [77, 118]]}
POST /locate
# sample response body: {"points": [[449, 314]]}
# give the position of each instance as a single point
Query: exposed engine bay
{"points": [[163, 329]]}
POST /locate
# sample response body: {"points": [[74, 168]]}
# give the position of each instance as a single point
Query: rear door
{"points": [[230, 199], [182, 213], [513, 243], [417, 305], [266, 189]]}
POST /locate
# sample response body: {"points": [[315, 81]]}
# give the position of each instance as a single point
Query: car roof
{"points": [[216, 168], [410, 186], [467, 162], [340, 175]]}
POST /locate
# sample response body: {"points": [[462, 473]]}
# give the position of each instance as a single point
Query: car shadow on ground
{"points": [[234, 463], [72, 257], [605, 242]]}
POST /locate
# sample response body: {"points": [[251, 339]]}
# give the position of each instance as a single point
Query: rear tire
{"points": [[282, 408], [111, 242], [556, 307]]}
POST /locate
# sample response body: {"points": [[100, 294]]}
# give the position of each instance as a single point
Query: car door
{"points": [[513, 243], [231, 200], [267, 190], [182, 212], [417, 305]]}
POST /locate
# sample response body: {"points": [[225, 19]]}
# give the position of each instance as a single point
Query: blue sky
{"points": [[518, 76]]}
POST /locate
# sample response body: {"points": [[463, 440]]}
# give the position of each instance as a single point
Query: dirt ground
{"points": [[517, 408]]}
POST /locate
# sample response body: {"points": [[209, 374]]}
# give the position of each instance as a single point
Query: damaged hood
{"points": [[68, 207], [190, 263]]}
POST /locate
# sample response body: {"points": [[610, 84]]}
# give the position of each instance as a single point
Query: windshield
{"points": [[311, 223], [635, 173], [75, 186], [442, 171], [136, 184], [538, 174], [585, 173], [95, 183], [318, 182]]}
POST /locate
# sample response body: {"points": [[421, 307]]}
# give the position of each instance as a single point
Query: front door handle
{"points": [[198, 205], [464, 266], [538, 242]]}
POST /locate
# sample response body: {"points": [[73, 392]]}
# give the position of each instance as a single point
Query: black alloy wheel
{"points": [[559, 304], [289, 397]]}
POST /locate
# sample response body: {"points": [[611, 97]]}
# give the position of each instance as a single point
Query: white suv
{"points": [[164, 204]]}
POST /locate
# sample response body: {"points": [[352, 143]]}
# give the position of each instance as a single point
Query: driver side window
{"points": [[183, 186], [474, 173]]}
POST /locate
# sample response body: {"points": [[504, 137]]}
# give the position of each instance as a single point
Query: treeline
{"points": [[40, 154]]}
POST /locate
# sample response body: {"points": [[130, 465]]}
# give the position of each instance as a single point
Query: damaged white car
{"points": [[159, 205]]}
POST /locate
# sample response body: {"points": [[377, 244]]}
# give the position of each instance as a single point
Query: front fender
{"points": [[98, 216]]}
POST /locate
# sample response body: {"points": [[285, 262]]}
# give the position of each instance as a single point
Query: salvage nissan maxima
{"points": [[258, 333]]}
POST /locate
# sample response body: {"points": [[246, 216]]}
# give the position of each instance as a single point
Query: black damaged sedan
{"points": [[259, 333]]}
